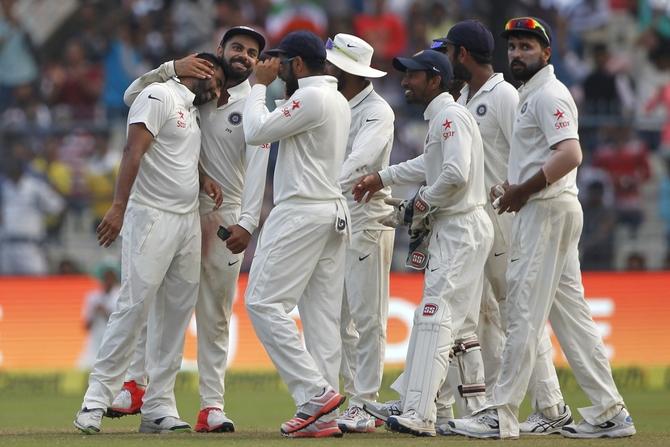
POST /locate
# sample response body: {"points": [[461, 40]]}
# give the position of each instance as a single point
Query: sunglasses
{"points": [[330, 45], [438, 45], [286, 61], [526, 23]]}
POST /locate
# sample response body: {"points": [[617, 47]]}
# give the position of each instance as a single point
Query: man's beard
{"points": [[233, 74], [525, 72], [460, 72], [291, 82]]}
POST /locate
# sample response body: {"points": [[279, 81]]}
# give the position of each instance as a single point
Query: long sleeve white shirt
{"points": [[493, 106], [368, 150], [239, 168], [452, 164], [312, 128]]}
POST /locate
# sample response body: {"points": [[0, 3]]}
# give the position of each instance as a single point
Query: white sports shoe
{"points": [[539, 424], [167, 424], [383, 410], [481, 425], [89, 421], [410, 422], [442, 427], [620, 426], [212, 419], [355, 420]]}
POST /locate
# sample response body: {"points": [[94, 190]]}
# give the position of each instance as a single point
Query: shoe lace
{"points": [[394, 405], [535, 417], [488, 419], [352, 412]]}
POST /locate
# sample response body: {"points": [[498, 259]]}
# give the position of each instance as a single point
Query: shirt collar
{"points": [[540, 78], [356, 100], [437, 105], [184, 93], [239, 91], [322, 80], [494, 80]]}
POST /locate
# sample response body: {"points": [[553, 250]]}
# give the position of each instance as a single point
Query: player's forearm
{"points": [[566, 156], [160, 74], [130, 166]]}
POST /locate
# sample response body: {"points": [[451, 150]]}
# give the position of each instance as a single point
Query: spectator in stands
{"points": [[382, 29], [636, 262], [98, 306], [597, 241], [17, 63], [626, 160], [25, 201], [101, 174], [664, 203], [76, 84], [26, 111], [607, 94]]}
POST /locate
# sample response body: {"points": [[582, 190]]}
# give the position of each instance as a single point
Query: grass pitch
{"points": [[40, 415]]}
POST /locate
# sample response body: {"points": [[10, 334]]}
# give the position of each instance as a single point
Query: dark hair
{"points": [[314, 65], [543, 43], [480, 58], [211, 58], [444, 82]]}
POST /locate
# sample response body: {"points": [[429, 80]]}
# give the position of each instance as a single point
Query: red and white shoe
{"points": [[318, 430], [213, 420], [317, 406], [128, 401]]}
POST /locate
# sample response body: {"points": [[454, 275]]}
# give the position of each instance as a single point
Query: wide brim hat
{"points": [[352, 55]]}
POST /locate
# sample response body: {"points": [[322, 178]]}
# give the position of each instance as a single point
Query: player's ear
{"points": [[546, 54]]}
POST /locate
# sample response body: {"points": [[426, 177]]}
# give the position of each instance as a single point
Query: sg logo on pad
{"points": [[429, 310]]}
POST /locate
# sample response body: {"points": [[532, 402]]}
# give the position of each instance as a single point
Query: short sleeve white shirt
{"points": [[168, 174], [546, 115]]}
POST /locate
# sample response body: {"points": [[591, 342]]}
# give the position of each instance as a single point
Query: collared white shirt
{"points": [[493, 106], [368, 150], [452, 163], [25, 205], [239, 168], [312, 127], [168, 174], [546, 115]]}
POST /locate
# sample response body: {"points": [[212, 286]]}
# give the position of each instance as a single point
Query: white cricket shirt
{"points": [[493, 106], [452, 163], [546, 115], [312, 127], [168, 174], [368, 150], [239, 168]]}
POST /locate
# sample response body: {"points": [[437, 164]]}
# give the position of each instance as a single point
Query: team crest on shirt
{"points": [[448, 131], [235, 118], [481, 110], [524, 107], [561, 121]]}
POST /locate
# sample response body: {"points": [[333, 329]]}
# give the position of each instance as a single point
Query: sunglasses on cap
{"points": [[526, 24], [331, 45]]}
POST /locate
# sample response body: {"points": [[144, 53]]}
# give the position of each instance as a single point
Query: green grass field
{"points": [[40, 413]]}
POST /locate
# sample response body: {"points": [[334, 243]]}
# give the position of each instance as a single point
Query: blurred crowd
{"points": [[62, 116]]}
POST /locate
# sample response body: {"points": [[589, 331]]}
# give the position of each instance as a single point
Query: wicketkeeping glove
{"points": [[417, 258], [412, 212]]}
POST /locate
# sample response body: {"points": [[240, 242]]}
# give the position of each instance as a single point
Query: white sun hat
{"points": [[352, 55]]}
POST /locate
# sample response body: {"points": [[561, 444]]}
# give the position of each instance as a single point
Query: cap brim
{"points": [[349, 66], [407, 64], [274, 52], [505, 34]]}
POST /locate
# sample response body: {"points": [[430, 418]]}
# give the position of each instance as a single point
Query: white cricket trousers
{"points": [[458, 248], [160, 268], [219, 272], [490, 323], [365, 313], [300, 261], [544, 281]]}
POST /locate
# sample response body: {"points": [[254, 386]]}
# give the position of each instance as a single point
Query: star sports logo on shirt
{"points": [[295, 105], [560, 115], [180, 122], [448, 132]]}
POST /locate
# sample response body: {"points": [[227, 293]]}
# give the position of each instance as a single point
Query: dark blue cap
{"points": [[426, 60], [247, 31], [528, 25], [471, 35], [305, 44]]}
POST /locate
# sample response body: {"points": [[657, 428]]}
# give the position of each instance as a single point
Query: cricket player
{"points": [[493, 101], [543, 275], [368, 258], [155, 203], [452, 166], [300, 256], [240, 170]]}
